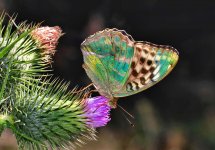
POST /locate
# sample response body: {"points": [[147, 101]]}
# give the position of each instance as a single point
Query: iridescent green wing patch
{"points": [[150, 64], [97, 73], [113, 51]]}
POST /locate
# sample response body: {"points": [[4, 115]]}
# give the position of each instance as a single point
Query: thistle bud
{"points": [[47, 38]]}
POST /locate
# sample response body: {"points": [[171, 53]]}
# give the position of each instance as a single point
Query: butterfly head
{"points": [[113, 102]]}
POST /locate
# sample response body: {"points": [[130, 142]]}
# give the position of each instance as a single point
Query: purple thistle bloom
{"points": [[97, 111]]}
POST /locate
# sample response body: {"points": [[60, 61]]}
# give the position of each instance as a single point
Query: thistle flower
{"points": [[48, 116], [42, 114], [47, 38], [20, 59], [97, 111]]}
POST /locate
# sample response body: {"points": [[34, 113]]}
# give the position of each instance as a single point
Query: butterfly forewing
{"points": [[150, 64], [107, 59]]}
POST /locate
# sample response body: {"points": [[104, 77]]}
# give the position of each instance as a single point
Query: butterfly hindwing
{"points": [[150, 64]]}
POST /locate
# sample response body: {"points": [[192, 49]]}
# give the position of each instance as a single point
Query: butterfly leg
{"points": [[88, 94], [81, 90]]}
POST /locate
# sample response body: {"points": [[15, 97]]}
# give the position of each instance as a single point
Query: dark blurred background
{"points": [[176, 114]]}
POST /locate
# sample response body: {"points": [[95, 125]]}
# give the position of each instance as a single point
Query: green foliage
{"points": [[20, 57], [41, 114], [48, 115]]}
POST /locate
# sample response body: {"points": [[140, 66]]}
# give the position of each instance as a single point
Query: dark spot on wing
{"points": [[133, 64], [149, 62], [134, 73], [143, 71], [142, 80], [142, 60]]}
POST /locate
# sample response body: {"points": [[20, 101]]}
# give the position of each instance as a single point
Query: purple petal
{"points": [[97, 111]]}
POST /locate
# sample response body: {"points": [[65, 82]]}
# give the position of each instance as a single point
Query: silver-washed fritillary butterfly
{"points": [[120, 66]]}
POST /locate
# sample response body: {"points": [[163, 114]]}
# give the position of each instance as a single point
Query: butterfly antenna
{"points": [[123, 111], [132, 125]]}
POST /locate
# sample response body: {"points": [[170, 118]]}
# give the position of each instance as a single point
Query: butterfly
{"points": [[119, 66]]}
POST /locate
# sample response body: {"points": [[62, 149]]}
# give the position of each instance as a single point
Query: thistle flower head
{"points": [[42, 114], [97, 111], [47, 38], [49, 116]]}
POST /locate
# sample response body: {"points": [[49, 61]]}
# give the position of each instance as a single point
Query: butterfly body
{"points": [[119, 66]]}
